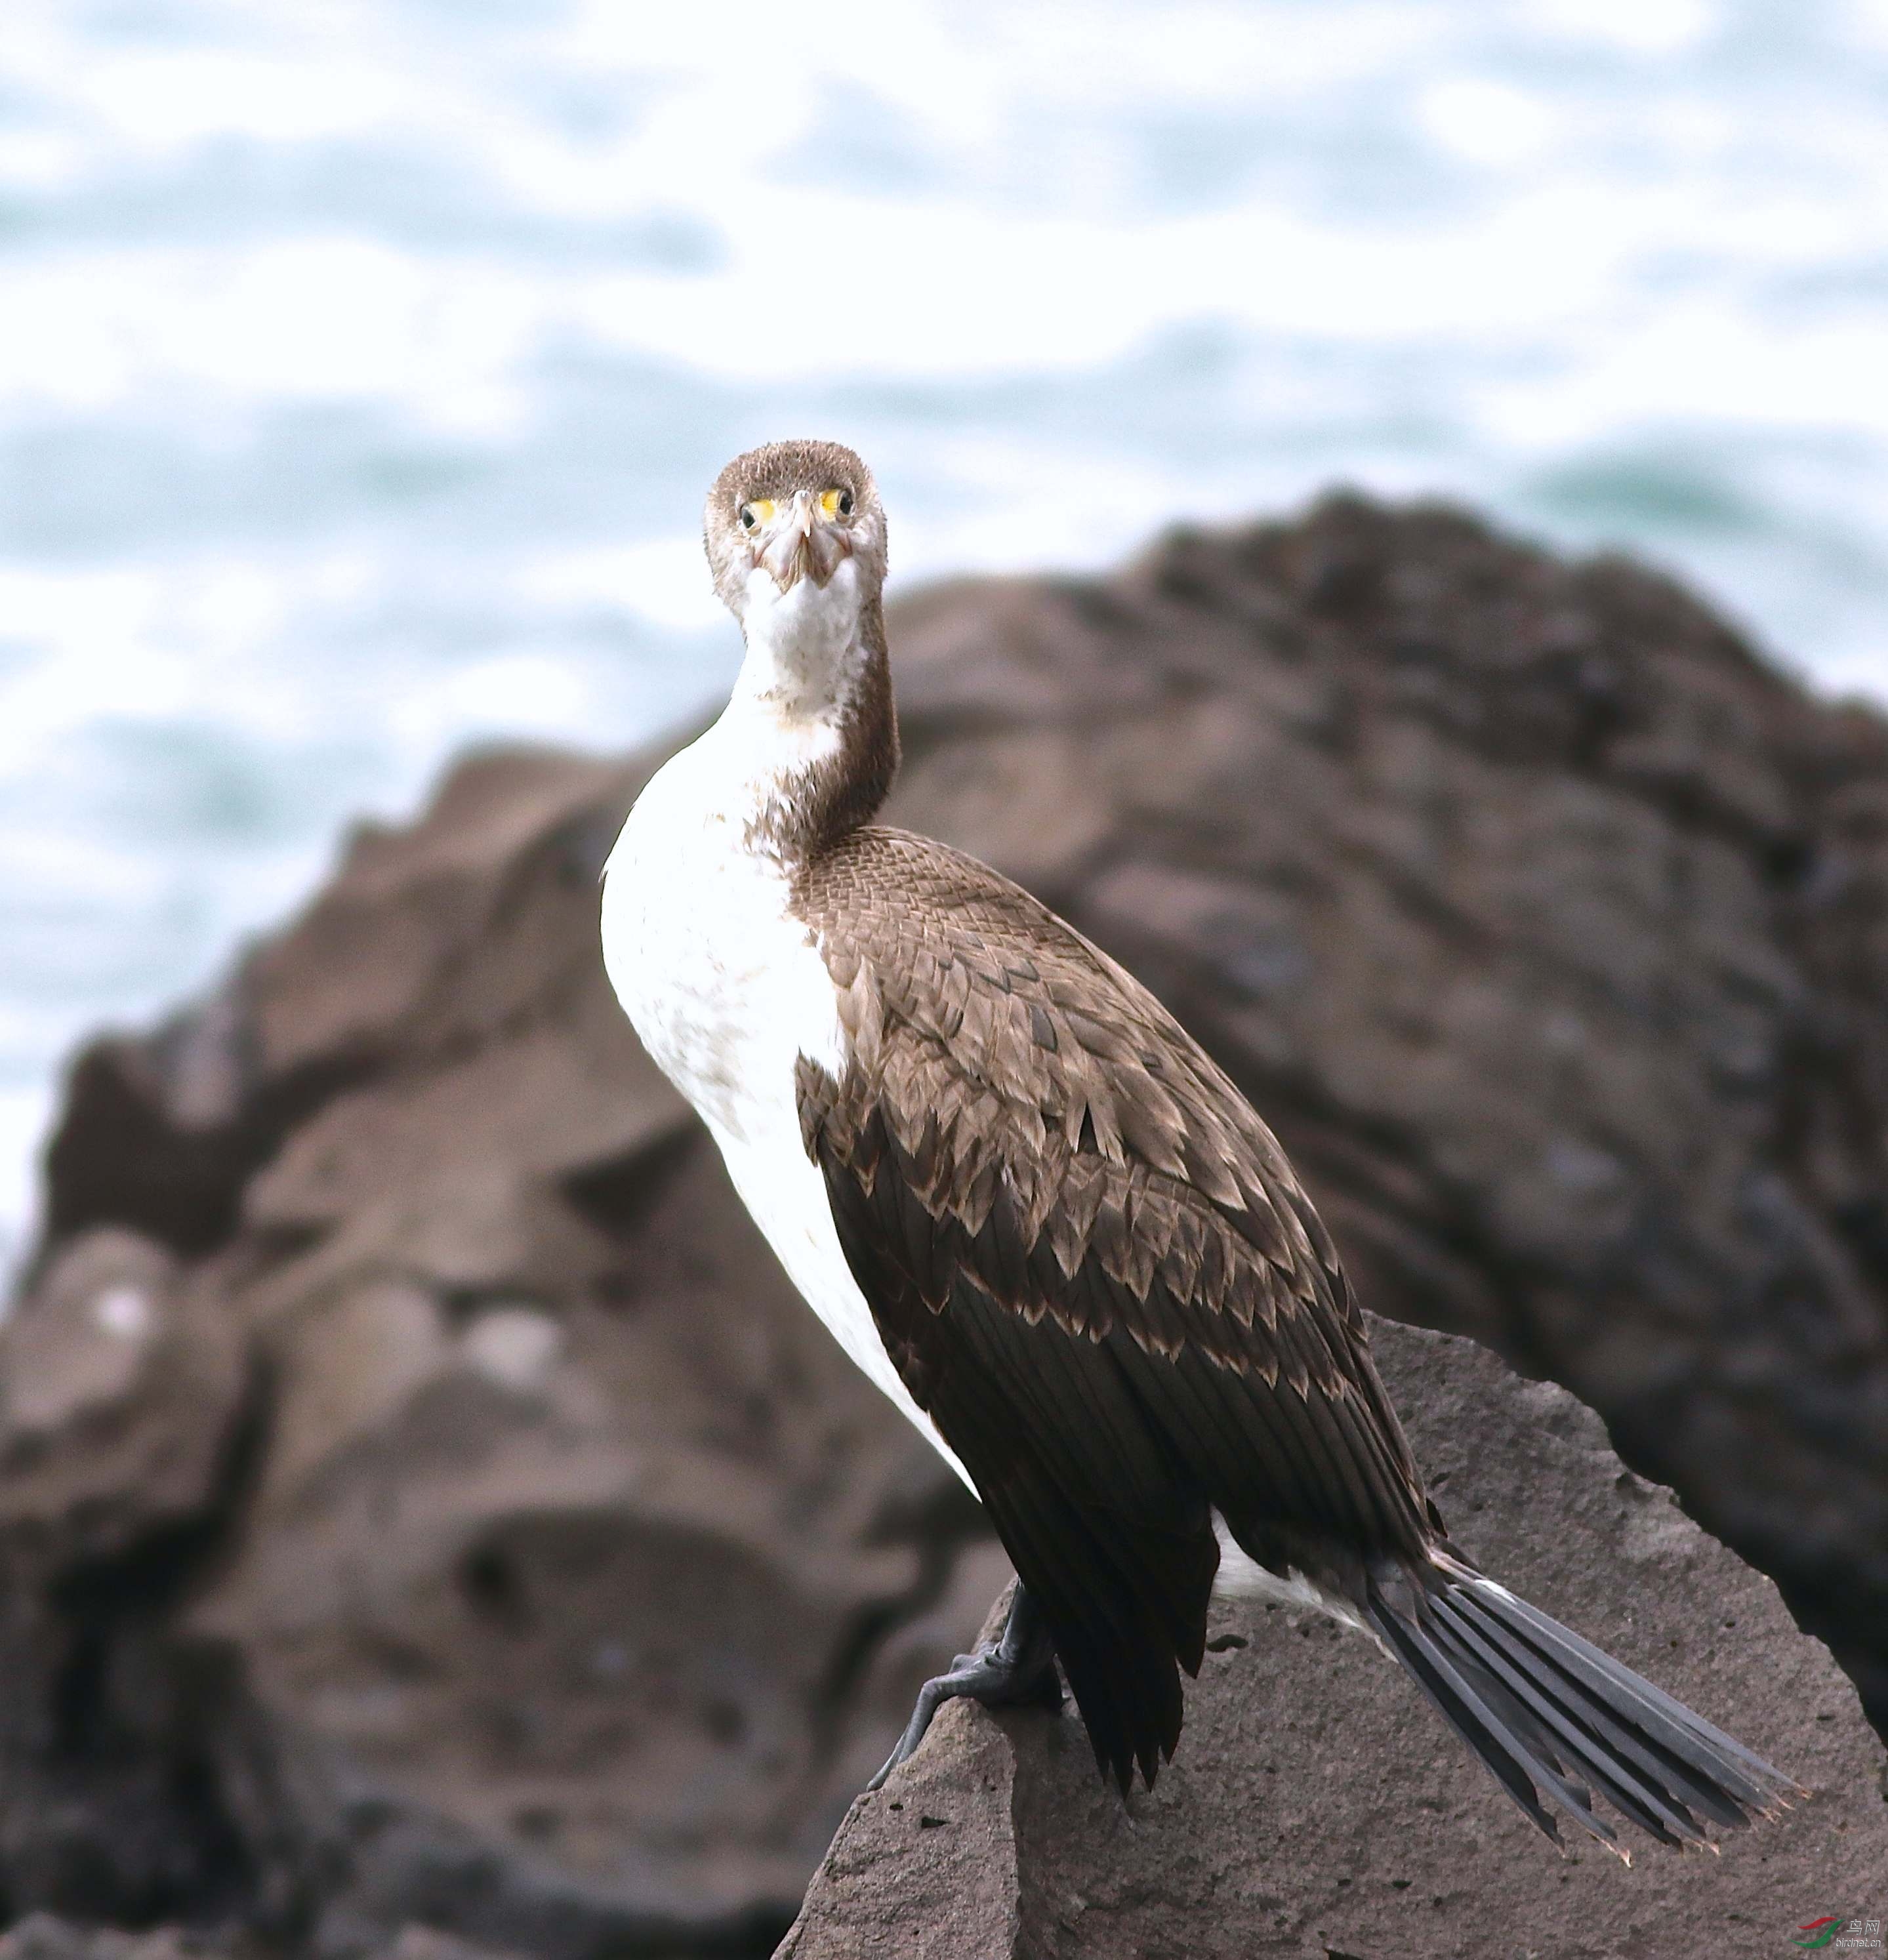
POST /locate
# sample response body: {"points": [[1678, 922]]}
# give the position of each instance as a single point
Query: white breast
{"points": [[728, 990]]}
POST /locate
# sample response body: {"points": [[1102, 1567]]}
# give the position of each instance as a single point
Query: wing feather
{"points": [[1092, 1266]]}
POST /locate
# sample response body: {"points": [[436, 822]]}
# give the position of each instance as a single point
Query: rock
{"points": [[547, 1603], [1546, 924], [127, 1416], [119, 1390], [41, 1937], [1317, 1806], [468, 1529]]}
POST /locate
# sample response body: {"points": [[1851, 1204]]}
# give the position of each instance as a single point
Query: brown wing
{"points": [[1092, 1266]]}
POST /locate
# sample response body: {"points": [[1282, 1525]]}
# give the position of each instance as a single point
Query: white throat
{"points": [[804, 654], [721, 976], [698, 892]]}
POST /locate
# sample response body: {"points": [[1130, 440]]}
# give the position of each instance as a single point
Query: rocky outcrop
{"points": [[422, 1501], [476, 1531], [1546, 922], [1317, 1807], [43, 1936]]}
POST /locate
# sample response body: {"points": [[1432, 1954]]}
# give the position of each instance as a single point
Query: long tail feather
{"points": [[1550, 1713]]}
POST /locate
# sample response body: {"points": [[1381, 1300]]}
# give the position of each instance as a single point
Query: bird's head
{"points": [[796, 540]]}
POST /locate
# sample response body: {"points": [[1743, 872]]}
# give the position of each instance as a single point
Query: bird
{"points": [[1052, 1230]]}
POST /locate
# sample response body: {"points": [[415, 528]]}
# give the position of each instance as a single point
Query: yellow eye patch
{"points": [[760, 511]]}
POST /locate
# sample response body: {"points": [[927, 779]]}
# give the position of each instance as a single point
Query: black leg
{"points": [[1020, 1667]]}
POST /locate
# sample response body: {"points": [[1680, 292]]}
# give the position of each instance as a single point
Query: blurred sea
{"points": [[362, 362]]}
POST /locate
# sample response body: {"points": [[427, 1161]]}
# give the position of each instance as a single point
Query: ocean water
{"points": [[362, 362]]}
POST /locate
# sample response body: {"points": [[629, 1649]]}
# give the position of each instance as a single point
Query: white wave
{"points": [[363, 362]]}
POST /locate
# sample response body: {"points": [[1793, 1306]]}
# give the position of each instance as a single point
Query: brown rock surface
{"points": [[470, 1529], [1546, 924], [1318, 1807], [43, 1936], [553, 1596]]}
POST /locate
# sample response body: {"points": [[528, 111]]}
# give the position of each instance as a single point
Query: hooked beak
{"points": [[803, 543]]}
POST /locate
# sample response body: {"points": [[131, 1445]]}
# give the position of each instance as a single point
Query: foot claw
{"points": [[1020, 1667]]}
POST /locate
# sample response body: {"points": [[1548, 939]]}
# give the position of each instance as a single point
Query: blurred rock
{"points": [[119, 1389], [128, 1415], [546, 1599], [1317, 1805], [41, 1937], [1546, 922], [421, 1500]]}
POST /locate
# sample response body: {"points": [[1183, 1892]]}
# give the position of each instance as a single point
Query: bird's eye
{"points": [[836, 503], [845, 503], [760, 511]]}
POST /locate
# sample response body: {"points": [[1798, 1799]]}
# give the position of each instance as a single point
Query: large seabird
{"points": [[1050, 1229]]}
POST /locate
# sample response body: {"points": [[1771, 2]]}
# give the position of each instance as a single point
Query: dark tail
{"points": [[1550, 1714]]}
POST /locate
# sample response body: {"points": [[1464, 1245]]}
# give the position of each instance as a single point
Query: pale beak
{"points": [[804, 542]]}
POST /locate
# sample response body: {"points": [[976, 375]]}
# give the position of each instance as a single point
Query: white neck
{"points": [[804, 654], [786, 716]]}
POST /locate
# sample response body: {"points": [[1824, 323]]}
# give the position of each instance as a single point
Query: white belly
{"points": [[728, 991]]}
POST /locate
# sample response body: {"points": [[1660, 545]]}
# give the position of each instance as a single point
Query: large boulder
{"points": [[422, 1499], [477, 1530], [1318, 1807], [1546, 921], [44, 1937]]}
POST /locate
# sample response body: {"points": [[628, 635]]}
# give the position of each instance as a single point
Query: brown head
{"points": [[793, 510]]}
